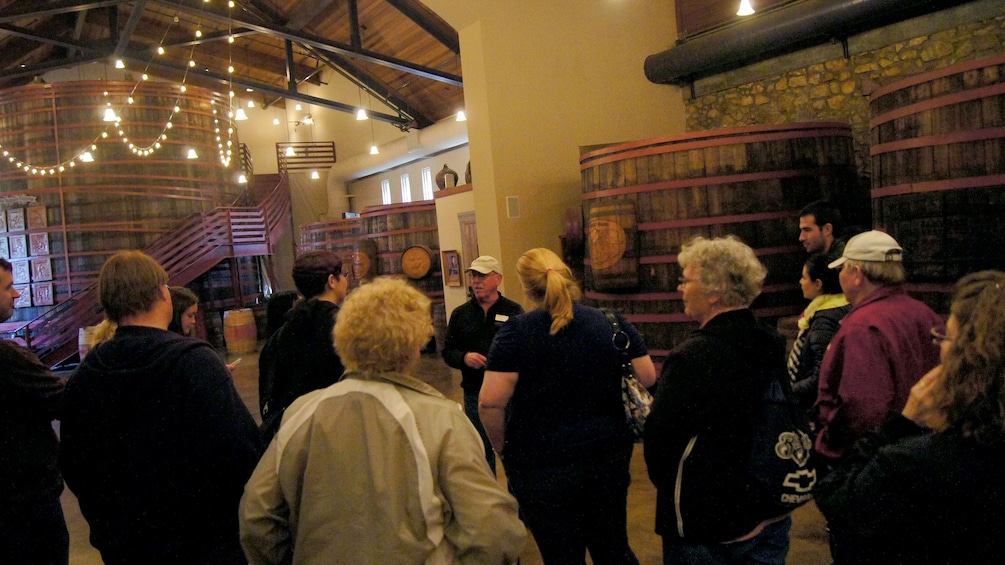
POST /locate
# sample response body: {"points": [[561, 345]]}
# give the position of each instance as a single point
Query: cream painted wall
{"points": [[447, 210], [542, 79], [366, 191]]}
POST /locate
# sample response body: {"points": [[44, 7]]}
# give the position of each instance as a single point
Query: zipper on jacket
{"points": [[677, 485]]}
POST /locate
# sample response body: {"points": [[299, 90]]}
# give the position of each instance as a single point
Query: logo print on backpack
{"points": [[793, 446]]}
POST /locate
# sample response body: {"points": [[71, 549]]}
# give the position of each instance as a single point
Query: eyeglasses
{"points": [[938, 337]]}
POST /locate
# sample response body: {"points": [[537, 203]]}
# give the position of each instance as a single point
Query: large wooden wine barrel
{"points": [[938, 172], [750, 182], [121, 200], [398, 228], [341, 236]]}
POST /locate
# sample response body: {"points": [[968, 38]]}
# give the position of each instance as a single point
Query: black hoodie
{"points": [[157, 446], [698, 434]]}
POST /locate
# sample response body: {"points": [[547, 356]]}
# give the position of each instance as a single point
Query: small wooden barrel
{"points": [[750, 182], [938, 171], [365, 263], [416, 262], [613, 241], [240, 331]]}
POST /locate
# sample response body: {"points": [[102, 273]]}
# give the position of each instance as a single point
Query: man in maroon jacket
{"points": [[883, 348]]}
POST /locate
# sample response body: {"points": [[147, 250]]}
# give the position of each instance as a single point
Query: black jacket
{"points": [[698, 435], [471, 329], [905, 495], [298, 358], [814, 341], [30, 399], [157, 446]]}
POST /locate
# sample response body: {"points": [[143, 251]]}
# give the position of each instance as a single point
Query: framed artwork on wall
{"points": [[451, 267], [41, 294], [36, 218], [41, 270], [25, 292], [21, 272], [18, 247], [15, 219], [38, 243]]}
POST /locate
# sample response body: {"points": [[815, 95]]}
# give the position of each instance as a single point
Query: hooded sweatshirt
{"points": [[698, 434], [157, 446]]}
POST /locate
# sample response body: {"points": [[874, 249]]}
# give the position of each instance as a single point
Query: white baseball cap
{"points": [[485, 265], [870, 246]]}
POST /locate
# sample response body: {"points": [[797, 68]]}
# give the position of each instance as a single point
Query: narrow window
{"points": [[385, 191], [427, 184], [406, 189]]}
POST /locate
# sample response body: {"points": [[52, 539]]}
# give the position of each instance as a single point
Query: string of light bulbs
{"points": [[115, 120]]}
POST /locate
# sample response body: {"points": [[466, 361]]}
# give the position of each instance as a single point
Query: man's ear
{"points": [[332, 280], [828, 230]]}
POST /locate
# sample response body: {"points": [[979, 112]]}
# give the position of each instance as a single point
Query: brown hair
{"points": [[548, 282], [181, 299], [973, 378], [129, 284], [311, 270]]}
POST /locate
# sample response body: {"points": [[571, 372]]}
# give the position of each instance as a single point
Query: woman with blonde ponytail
{"points": [[551, 405]]}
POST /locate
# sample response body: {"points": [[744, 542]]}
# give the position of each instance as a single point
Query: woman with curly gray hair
{"points": [[379, 467], [698, 434]]}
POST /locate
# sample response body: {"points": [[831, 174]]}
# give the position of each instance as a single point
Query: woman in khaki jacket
{"points": [[380, 467]]}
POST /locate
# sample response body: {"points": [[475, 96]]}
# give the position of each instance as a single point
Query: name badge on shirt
{"points": [[501, 317]]}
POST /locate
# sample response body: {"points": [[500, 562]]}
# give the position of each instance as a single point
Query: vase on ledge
{"points": [[446, 178]]}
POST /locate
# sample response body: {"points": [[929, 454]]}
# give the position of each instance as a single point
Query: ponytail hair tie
{"points": [[548, 270]]}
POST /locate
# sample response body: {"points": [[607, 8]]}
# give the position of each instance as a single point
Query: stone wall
{"points": [[837, 89]]}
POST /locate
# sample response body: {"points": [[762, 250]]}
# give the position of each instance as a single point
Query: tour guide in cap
{"points": [[469, 335], [884, 345]]}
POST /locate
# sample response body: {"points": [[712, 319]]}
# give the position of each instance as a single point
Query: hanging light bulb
{"points": [[461, 116], [241, 179], [374, 150], [745, 8], [110, 116], [192, 154], [119, 64], [290, 152], [361, 115], [240, 115], [275, 121], [299, 107], [315, 175], [86, 157], [251, 103]]}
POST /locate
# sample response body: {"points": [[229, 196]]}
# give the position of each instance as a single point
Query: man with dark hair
{"points": [[300, 356], [32, 528], [819, 228], [469, 335], [157, 444]]}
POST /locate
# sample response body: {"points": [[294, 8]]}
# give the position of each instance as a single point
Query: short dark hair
{"points": [[5, 265], [816, 266], [311, 270], [181, 299], [823, 213]]}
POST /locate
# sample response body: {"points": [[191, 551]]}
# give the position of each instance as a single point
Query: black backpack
{"points": [[783, 468]]}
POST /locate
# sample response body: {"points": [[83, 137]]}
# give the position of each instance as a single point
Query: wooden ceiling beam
{"points": [[429, 22], [32, 10], [324, 45]]}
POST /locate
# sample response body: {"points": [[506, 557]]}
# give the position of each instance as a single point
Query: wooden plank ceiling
{"points": [[399, 51]]}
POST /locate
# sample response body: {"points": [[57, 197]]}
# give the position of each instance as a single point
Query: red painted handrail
{"points": [[192, 248]]}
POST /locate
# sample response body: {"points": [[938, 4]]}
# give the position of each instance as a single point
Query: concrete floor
{"points": [[809, 538]]}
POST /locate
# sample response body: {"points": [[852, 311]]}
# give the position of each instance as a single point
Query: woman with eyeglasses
{"points": [[927, 486]]}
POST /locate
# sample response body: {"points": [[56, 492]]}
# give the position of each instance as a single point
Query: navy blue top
{"points": [[567, 403]]}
